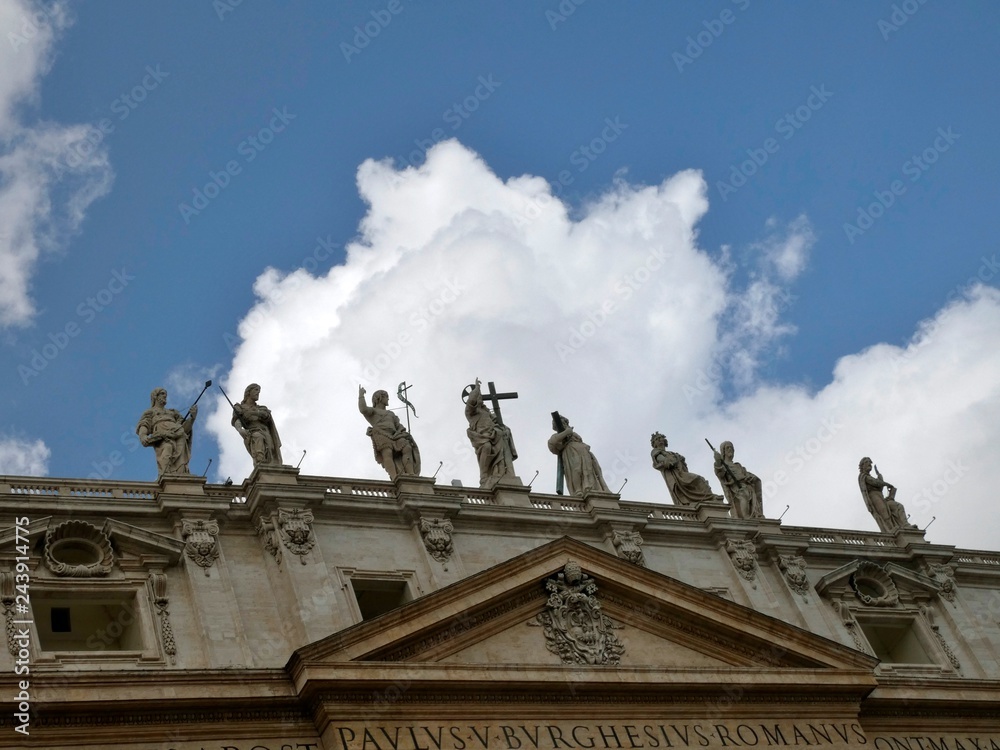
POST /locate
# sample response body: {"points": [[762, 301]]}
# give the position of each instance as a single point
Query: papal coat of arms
{"points": [[576, 629]]}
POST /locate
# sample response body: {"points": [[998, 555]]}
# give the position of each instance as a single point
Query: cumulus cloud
{"points": [[20, 457], [49, 173], [615, 317]]}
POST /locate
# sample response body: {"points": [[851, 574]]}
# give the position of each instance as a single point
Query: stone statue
{"points": [[395, 449], [256, 426], [888, 512], [168, 433], [741, 488], [491, 440], [686, 488], [579, 465]]}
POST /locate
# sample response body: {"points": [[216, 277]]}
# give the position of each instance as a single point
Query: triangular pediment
{"points": [[871, 583], [498, 617]]}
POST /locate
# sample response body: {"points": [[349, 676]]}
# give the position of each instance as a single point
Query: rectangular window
{"points": [[109, 622], [895, 641], [378, 596]]}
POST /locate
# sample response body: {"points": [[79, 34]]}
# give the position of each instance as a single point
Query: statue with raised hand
{"points": [[490, 438], [889, 513], [395, 449]]}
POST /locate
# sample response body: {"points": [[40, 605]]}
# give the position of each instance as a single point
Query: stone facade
{"points": [[316, 612]]}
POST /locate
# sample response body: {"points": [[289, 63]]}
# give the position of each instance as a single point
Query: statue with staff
{"points": [[395, 449], [742, 489], [167, 432], [255, 425], [577, 465]]}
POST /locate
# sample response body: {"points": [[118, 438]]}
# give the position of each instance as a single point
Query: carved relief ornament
{"points": [[744, 557], [201, 542], [576, 628], [436, 533], [794, 569], [291, 529], [629, 546], [874, 586], [944, 575], [78, 550], [158, 584]]}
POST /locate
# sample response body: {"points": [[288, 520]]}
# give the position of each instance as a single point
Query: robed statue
{"points": [[168, 433], [579, 466], [741, 488], [888, 512], [491, 440], [685, 487], [256, 426]]}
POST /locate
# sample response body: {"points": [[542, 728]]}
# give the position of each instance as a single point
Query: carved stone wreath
{"points": [[78, 550], [576, 629], [794, 568], [744, 557], [873, 586], [295, 528]]}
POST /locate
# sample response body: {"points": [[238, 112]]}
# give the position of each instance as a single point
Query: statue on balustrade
{"points": [[256, 426], [578, 465], [741, 488], [686, 487], [395, 449], [167, 433], [888, 512], [491, 439]]}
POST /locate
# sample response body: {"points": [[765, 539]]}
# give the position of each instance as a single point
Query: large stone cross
{"points": [[492, 396]]}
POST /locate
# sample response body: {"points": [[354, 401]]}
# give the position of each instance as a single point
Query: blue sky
{"points": [[832, 165]]}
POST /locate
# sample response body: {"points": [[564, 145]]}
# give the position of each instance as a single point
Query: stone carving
{"points": [[794, 569], [579, 466], [395, 449], [168, 433], [256, 426], [629, 546], [490, 438], [158, 582], [8, 596], [295, 530], [201, 542], [436, 533], [269, 536], [945, 576], [744, 557], [576, 629], [873, 586], [741, 488], [847, 617], [888, 512], [928, 614], [78, 550], [686, 488]]}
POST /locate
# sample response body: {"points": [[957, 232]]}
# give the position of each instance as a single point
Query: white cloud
{"points": [[618, 320], [26, 458], [49, 173]]}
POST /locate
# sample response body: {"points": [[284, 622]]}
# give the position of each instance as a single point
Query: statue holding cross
{"points": [[489, 436]]}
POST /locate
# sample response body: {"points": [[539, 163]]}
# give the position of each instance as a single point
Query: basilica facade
{"points": [[299, 612]]}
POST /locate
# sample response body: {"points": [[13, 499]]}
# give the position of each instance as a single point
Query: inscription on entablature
{"points": [[612, 735]]}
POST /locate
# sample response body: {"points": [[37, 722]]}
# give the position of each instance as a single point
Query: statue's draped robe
{"points": [[741, 488], [261, 441], [173, 448], [686, 488], [492, 442], [580, 467]]}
